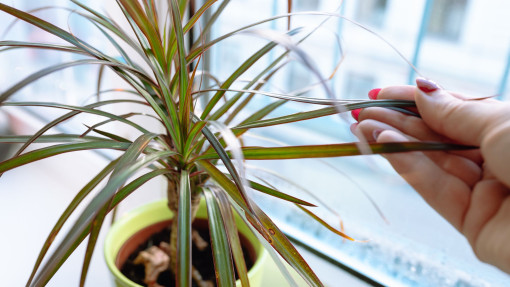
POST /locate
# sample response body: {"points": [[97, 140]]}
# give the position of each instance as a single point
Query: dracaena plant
{"points": [[162, 68]]}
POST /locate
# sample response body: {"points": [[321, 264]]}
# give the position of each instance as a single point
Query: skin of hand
{"points": [[470, 189]]}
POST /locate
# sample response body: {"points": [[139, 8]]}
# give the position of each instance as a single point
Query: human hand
{"points": [[470, 189]]}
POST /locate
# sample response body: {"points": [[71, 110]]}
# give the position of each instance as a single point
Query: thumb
{"points": [[465, 121]]}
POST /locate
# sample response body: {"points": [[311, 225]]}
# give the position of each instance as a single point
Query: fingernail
{"points": [[355, 113], [373, 94], [376, 133], [426, 86], [353, 128]]}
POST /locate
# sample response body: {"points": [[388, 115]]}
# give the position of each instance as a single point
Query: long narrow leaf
{"points": [[269, 230], [324, 112], [51, 29], [337, 150], [275, 193], [44, 72], [69, 210], [325, 224], [16, 44], [184, 97], [96, 225], [184, 232], [222, 180], [223, 156], [127, 169], [285, 248], [56, 150], [119, 196], [75, 108], [56, 138], [243, 68], [233, 235], [67, 116], [220, 243]]}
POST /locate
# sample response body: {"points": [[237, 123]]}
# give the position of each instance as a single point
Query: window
{"points": [[357, 85], [447, 19], [409, 250], [306, 5], [299, 77], [371, 12]]}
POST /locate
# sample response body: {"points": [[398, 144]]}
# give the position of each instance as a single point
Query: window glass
{"points": [[371, 12], [408, 243], [447, 19], [306, 5]]}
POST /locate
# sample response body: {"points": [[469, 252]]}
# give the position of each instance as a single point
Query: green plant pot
{"points": [[128, 227]]}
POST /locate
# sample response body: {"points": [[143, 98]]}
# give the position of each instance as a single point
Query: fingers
{"points": [[412, 126], [444, 192], [458, 166], [409, 125], [397, 93], [486, 200], [467, 122], [493, 238]]}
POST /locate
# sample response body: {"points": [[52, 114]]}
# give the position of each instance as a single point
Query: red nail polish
{"points": [[355, 113], [373, 94], [426, 86]]}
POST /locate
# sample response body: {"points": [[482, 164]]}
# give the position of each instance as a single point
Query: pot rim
{"points": [[125, 222]]}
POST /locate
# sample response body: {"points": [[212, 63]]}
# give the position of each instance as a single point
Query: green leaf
{"points": [[126, 168], [323, 112], [224, 157], [17, 44], [271, 232], [136, 13], [67, 116], [222, 180], [128, 115], [278, 194], [184, 232], [80, 109], [256, 117], [135, 184], [325, 224], [275, 193], [119, 196], [194, 133], [285, 248], [113, 27], [236, 74], [46, 71], [210, 22], [112, 136], [245, 102], [337, 150], [51, 29], [56, 138], [184, 96], [56, 150], [96, 225], [67, 213], [220, 243], [233, 235], [245, 66]]}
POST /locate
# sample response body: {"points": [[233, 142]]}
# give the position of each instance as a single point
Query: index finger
{"points": [[397, 93]]}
